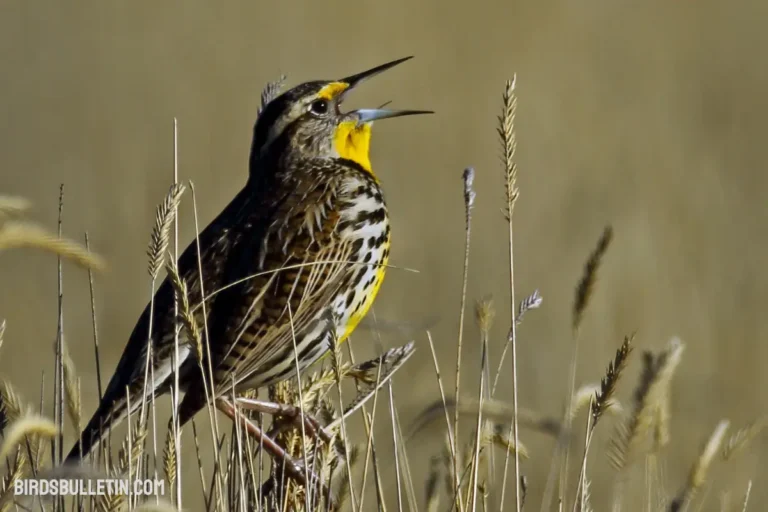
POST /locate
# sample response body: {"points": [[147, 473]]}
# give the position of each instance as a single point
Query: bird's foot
{"points": [[311, 425], [294, 469]]}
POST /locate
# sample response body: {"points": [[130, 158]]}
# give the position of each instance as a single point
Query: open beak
{"points": [[367, 115]]}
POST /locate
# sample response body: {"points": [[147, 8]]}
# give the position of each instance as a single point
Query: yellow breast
{"points": [[368, 294]]}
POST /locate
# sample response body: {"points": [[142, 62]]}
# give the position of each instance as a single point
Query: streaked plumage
{"points": [[306, 242]]}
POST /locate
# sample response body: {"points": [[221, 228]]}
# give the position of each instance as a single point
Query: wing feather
{"points": [[301, 265]]}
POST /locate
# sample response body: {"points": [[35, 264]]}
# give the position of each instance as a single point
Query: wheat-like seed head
{"points": [[169, 455], [186, 313], [17, 471], [506, 131], [484, 314], [589, 277], [18, 234], [611, 379], [72, 389], [469, 192], [164, 217], [131, 449], [533, 301], [743, 437], [650, 394], [27, 426]]}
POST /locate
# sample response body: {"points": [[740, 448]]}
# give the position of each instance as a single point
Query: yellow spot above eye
{"points": [[353, 142], [332, 90]]}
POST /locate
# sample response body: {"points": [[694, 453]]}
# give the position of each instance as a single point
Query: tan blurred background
{"points": [[649, 116]]}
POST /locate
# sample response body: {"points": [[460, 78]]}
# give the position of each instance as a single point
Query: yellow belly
{"points": [[370, 296], [367, 230]]}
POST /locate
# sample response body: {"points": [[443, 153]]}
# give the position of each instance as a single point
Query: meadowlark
{"points": [[289, 267]]}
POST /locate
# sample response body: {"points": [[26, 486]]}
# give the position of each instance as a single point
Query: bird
{"points": [[288, 268]]}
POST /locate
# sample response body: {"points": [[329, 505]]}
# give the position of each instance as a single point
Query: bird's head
{"points": [[307, 121]]}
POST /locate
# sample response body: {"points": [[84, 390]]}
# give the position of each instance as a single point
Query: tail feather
{"points": [[114, 406]]}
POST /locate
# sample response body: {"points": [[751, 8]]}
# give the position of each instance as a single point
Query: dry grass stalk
{"points": [[161, 232], [746, 496], [336, 365], [391, 361], [652, 391], [743, 437], [608, 383], [18, 234], [94, 324], [2, 333], [508, 138], [449, 454], [533, 301], [589, 277], [484, 314], [583, 504], [448, 458], [469, 202], [700, 468]]}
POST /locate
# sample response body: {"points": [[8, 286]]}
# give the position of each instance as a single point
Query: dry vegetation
{"points": [[310, 462]]}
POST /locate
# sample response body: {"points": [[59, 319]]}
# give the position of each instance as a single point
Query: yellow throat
{"points": [[353, 142]]}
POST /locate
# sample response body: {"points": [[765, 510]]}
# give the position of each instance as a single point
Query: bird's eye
{"points": [[319, 107]]}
